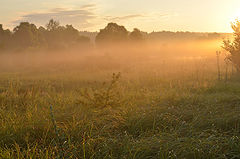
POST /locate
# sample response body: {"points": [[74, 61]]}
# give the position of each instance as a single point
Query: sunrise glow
{"points": [[152, 15]]}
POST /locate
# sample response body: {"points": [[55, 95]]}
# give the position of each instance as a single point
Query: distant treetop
{"points": [[112, 33]]}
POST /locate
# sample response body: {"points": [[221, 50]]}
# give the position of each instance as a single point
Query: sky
{"points": [[147, 15]]}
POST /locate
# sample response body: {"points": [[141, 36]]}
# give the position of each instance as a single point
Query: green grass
{"points": [[132, 116]]}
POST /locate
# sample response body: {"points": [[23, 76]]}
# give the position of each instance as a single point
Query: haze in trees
{"points": [[136, 35], [233, 47], [112, 33], [53, 37]]}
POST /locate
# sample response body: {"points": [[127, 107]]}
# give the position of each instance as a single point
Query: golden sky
{"points": [[147, 15]]}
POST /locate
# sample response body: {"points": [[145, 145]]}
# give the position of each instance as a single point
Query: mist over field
{"points": [[114, 56], [118, 94]]}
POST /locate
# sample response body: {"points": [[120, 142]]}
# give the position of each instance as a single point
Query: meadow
{"points": [[164, 101]]}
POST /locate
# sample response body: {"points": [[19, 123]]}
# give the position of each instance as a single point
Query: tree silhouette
{"points": [[112, 33], [71, 36], [70, 33], [25, 35], [1, 37], [52, 25], [1, 29], [5, 37], [233, 47], [60, 37], [136, 35], [53, 37]]}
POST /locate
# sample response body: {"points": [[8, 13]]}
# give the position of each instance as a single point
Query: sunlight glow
{"points": [[236, 15]]}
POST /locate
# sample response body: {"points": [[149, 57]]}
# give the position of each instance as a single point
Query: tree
{"points": [[52, 25], [70, 33], [5, 37], [136, 35], [42, 33], [71, 36], [61, 37], [54, 36], [1, 29], [25, 35], [112, 33], [233, 47]]}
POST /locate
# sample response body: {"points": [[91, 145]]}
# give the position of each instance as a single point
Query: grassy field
{"points": [[151, 109]]}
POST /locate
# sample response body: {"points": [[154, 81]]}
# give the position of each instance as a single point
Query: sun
{"points": [[236, 15]]}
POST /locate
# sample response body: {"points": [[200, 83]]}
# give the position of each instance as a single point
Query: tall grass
{"points": [[144, 112]]}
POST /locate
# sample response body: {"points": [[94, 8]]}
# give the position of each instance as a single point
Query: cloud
{"points": [[80, 18], [127, 17], [87, 17], [149, 16], [166, 15], [89, 6]]}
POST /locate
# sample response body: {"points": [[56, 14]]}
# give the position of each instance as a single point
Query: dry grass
{"points": [[158, 107]]}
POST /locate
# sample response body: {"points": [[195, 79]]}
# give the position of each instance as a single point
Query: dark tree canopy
{"points": [[25, 35], [1, 29], [112, 33], [5, 37], [136, 35], [70, 33], [52, 25], [63, 36], [54, 36]]}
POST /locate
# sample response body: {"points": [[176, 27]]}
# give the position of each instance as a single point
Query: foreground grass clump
{"points": [[121, 118]]}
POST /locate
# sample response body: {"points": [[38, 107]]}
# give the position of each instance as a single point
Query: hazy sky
{"points": [[147, 15]]}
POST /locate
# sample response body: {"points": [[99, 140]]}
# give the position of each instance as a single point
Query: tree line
{"points": [[54, 36]]}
